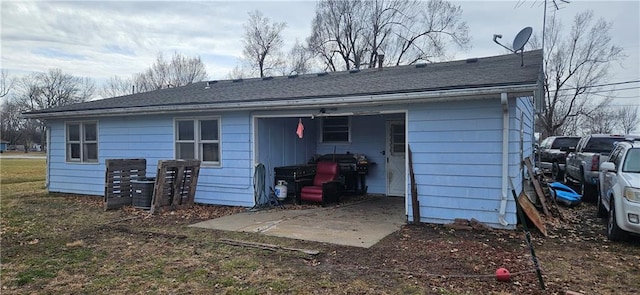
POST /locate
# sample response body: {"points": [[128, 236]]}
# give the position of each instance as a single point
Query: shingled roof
{"points": [[496, 71]]}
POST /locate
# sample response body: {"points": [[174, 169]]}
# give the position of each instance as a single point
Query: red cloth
{"points": [[300, 130]]}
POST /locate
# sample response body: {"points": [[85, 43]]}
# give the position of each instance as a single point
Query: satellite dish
{"points": [[518, 43], [521, 39]]}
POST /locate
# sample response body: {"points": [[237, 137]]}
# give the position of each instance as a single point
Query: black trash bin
{"points": [[142, 192]]}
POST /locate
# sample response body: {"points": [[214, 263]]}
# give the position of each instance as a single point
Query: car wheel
{"points": [[556, 173], [614, 232], [602, 212]]}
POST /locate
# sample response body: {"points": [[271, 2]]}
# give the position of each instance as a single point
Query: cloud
{"points": [[100, 39]]}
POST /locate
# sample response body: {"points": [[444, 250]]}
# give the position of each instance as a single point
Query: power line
{"points": [[615, 83], [606, 84], [608, 90], [620, 97]]}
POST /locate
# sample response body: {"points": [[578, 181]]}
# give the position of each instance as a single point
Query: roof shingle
{"points": [[503, 70]]}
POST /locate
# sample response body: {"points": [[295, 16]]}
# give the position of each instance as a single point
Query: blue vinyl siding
{"points": [[151, 138], [278, 144], [368, 138], [457, 158], [526, 113], [457, 153]]}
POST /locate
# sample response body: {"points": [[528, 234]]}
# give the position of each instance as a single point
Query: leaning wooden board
{"points": [[415, 203], [532, 213], [536, 186]]}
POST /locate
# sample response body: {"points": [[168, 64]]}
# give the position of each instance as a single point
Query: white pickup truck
{"points": [[619, 198], [583, 162]]}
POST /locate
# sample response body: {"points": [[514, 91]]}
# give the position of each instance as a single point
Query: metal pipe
{"points": [[504, 100]]}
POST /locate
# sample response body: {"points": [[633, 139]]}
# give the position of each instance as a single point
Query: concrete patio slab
{"points": [[360, 224]]}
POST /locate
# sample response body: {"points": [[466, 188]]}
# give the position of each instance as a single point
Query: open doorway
{"points": [[395, 158]]}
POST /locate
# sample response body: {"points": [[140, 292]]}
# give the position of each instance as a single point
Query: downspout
{"points": [[47, 131], [505, 158]]}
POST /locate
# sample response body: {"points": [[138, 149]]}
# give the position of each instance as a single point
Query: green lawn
{"points": [[21, 170]]}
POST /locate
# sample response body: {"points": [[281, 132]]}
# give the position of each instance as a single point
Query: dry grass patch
{"points": [[67, 244]]}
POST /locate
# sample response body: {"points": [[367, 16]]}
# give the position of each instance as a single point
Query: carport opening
{"points": [[369, 148]]}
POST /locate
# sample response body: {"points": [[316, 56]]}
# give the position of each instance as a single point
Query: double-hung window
{"points": [[82, 142], [198, 139], [335, 129]]}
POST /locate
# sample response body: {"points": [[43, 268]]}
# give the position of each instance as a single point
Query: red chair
{"points": [[325, 187]]}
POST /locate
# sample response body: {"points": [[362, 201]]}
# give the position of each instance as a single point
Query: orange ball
{"points": [[502, 274]]}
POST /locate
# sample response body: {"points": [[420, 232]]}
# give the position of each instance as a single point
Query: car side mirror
{"points": [[608, 167]]}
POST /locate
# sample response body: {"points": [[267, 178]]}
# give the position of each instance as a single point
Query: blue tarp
{"points": [[564, 194]]}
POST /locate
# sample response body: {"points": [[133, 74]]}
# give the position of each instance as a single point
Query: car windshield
{"points": [[632, 161], [565, 142], [601, 144]]}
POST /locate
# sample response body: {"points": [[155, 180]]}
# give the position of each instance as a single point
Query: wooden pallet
{"points": [[117, 184], [175, 186]]}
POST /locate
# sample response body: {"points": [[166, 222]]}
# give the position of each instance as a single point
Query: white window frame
{"points": [[322, 132], [197, 140], [82, 142]]}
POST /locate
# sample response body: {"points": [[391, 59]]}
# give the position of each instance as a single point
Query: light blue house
{"points": [[469, 124]]}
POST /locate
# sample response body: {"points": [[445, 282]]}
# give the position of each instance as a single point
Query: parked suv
{"points": [[583, 162], [553, 154], [620, 191]]}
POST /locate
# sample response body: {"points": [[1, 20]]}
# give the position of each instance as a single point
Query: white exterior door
{"points": [[395, 154]]}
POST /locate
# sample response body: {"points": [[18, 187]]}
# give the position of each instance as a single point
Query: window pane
{"points": [[209, 130], [74, 132], [90, 152], [397, 148], [90, 132], [185, 151], [337, 121], [397, 129], [564, 141], [210, 152], [74, 151], [185, 130], [337, 137], [335, 129], [632, 162], [601, 145]]}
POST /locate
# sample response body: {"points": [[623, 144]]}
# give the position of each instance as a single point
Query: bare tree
{"points": [[238, 72], [600, 121], [6, 83], [47, 90], [574, 67], [179, 71], [299, 60], [628, 119], [354, 34], [263, 44], [185, 70], [51, 89], [117, 86], [153, 78], [10, 122]]}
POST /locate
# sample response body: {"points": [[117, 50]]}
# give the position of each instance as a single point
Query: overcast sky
{"points": [[100, 39]]}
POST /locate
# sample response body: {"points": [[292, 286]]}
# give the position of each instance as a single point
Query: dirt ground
{"points": [[129, 251], [436, 258]]}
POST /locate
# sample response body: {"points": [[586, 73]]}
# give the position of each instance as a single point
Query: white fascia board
{"points": [[361, 100]]}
